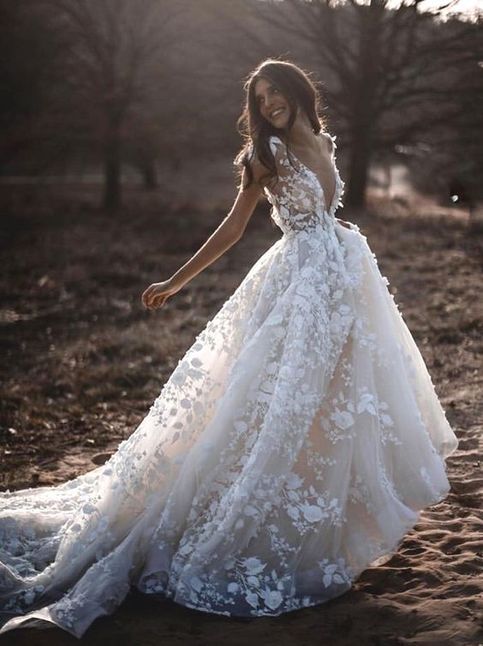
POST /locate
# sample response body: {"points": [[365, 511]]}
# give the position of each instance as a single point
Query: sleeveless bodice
{"points": [[298, 200]]}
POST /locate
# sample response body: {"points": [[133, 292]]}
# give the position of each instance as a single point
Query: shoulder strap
{"points": [[274, 141], [332, 139]]}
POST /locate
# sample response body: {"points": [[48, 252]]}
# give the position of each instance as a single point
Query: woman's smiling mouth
{"points": [[276, 113]]}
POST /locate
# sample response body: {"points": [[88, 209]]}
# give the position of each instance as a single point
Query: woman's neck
{"points": [[301, 135]]}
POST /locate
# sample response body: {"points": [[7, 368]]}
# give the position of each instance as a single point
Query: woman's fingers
{"points": [[161, 299], [156, 295], [149, 295], [155, 300], [146, 297]]}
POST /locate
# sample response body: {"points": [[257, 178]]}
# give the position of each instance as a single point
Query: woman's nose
{"points": [[268, 103]]}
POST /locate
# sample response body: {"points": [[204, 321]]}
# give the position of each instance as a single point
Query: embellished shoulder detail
{"points": [[274, 143], [333, 145]]}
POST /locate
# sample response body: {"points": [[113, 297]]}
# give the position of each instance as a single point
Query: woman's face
{"points": [[272, 104]]}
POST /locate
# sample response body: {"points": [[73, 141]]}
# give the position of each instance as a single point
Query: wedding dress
{"points": [[294, 444]]}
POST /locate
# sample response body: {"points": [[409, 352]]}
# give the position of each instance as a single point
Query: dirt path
{"points": [[84, 361]]}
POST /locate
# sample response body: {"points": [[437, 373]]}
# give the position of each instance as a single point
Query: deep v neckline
{"points": [[318, 180]]}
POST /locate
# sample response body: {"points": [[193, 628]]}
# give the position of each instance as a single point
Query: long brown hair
{"points": [[298, 89]]}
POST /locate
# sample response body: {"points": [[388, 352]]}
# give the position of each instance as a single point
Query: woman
{"points": [[293, 445]]}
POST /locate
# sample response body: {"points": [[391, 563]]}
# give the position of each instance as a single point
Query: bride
{"points": [[294, 444]]}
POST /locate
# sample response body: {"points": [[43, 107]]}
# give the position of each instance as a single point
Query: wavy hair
{"points": [[299, 90]]}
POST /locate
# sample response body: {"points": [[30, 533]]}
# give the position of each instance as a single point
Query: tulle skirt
{"points": [[294, 445]]}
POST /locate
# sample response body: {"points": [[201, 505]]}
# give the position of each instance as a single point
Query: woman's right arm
{"points": [[225, 236]]}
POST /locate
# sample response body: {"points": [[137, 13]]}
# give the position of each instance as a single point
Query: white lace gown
{"points": [[294, 444]]}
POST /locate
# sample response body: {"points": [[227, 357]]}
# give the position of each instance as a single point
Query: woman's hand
{"points": [[157, 294]]}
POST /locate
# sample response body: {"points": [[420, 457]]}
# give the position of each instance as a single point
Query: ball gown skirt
{"points": [[294, 444]]}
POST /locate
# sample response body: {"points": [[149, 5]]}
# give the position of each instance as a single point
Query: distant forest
{"points": [[112, 84]]}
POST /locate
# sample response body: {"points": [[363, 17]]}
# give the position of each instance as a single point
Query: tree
{"points": [[29, 48], [386, 70], [114, 54]]}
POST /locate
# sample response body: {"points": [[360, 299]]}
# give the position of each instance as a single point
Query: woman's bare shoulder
{"points": [[328, 140], [259, 170]]}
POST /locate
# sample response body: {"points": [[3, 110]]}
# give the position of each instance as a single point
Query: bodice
{"points": [[298, 200]]}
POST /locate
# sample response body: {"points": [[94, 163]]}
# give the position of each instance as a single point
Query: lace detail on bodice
{"points": [[298, 200]]}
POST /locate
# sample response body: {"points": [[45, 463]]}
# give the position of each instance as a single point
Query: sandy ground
{"points": [[83, 361]]}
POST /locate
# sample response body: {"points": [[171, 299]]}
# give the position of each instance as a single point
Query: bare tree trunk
{"points": [[146, 165], [150, 177], [112, 164], [358, 170], [370, 21]]}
